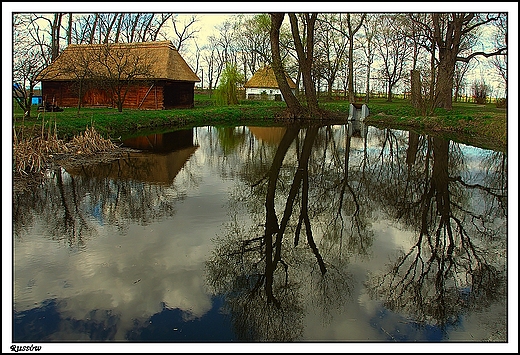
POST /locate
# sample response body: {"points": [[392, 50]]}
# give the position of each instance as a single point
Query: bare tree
{"points": [[81, 28], [351, 29], [120, 67], [461, 69], [291, 101], [367, 44], [333, 45], [25, 71], [107, 25], [226, 41], [81, 68], [93, 29], [306, 56], [31, 53], [215, 59], [209, 59], [184, 31], [254, 43], [393, 50], [453, 34], [69, 29], [499, 62]]}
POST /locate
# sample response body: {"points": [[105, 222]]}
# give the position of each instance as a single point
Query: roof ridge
{"points": [[154, 44], [265, 78]]}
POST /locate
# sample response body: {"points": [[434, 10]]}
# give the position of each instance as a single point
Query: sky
{"points": [[211, 14], [215, 12]]}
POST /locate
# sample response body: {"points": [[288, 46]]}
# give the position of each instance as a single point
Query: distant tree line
{"points": [[337, 54]]}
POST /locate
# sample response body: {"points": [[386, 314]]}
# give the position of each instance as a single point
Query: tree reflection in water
{"points": [[264, 277], [449, 270], [455, 264], [137, 186], [311, 197]]}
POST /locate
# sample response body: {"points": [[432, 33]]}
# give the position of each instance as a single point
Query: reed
{"points": [[32, 154], [90, 142]]}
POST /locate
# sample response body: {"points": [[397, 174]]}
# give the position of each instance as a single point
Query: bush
{"points": [[501, 103], [480, 92]]}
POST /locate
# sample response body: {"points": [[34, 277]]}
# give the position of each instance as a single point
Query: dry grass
{"points": [[90, 142], [32, 155]]}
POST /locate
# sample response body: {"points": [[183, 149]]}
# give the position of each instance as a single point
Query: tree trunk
{"points": [[367, 90], [291, 101], [416, 89], [330, 82], [109, 29], [448, 42], [305, 59], [389, 95], [29, 101], [80, 94], [456, 95], [93, 31], [69, 30], [351, 96], [444, 85], [55, 40], [351, 34], [118, 29]]}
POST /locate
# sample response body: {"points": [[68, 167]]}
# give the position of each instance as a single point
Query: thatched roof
{"points": [[161, 59], [265, 78]]}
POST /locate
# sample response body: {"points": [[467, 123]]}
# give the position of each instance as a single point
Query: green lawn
{"points": [[467, 118]]}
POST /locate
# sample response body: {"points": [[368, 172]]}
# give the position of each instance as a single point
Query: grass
{"points": [[486, 122], [484, 125], [111, 123]]}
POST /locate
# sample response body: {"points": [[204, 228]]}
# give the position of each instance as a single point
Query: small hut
{"points": [[151, 75], [263, 85]]}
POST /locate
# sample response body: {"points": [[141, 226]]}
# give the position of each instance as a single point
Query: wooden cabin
{"points": [[152, 75], [263, 85]]}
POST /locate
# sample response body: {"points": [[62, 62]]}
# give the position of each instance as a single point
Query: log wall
{"points": [[148, 96]]}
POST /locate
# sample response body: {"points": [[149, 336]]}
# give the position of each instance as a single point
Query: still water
{"points": [[344, 233]]}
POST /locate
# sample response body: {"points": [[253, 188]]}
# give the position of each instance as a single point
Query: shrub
{"points": [[501, 103], [480, 91]]}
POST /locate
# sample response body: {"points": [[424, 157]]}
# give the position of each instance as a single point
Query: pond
{"points": [[326, 233]]}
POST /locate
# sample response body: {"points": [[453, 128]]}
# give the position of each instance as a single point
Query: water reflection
{"points": [[162, 142], [291, 233], [165, 155], [270, 135], [455, 263]]}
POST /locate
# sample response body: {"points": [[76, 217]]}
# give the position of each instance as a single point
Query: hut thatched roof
{"points": [[160, 57], [265, 78]]}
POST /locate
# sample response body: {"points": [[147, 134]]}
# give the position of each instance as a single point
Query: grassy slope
{"points": [[467, 122]]}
